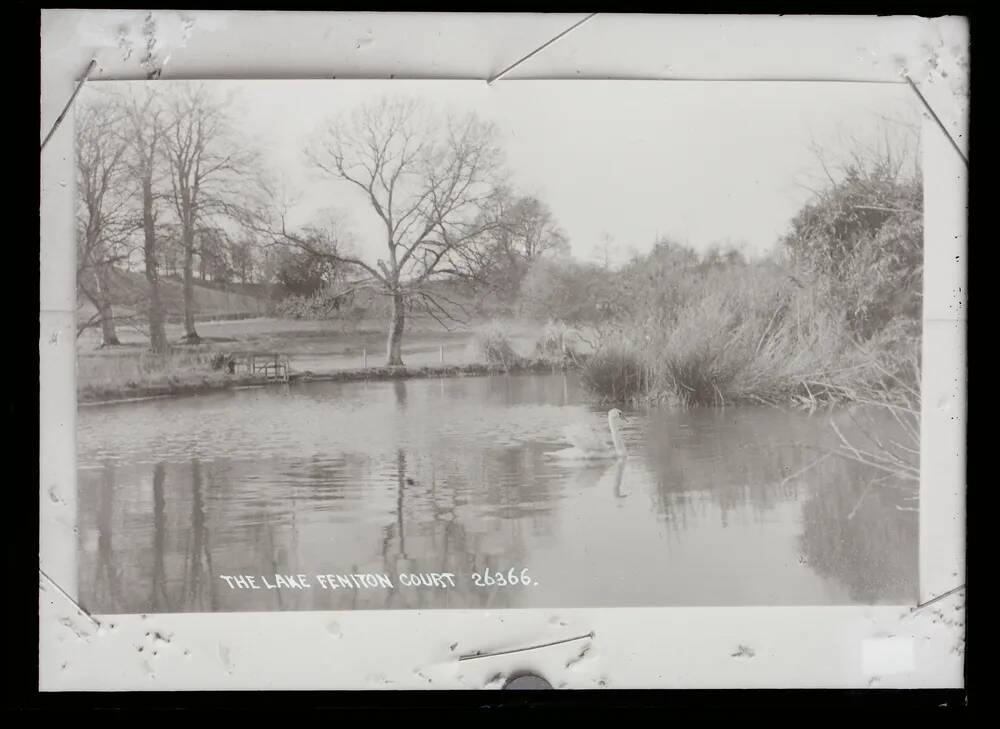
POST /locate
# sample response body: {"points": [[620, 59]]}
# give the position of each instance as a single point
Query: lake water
{"points": [[401, 481]]}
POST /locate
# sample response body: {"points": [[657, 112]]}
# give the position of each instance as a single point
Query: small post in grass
{"points": [[442, 353], [364, 358]]}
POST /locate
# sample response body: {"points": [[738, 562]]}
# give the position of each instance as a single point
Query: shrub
{"points": [[616, 373], [493, 346], [556, 342], [566, 290], [864, 234]]}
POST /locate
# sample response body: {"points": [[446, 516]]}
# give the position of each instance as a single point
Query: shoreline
{"points": [[207, 384]]}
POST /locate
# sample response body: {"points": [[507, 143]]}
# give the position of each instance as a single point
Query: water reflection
{"points": [[863, 537], [199, 583], [159, 599], [399, 388], [107, 578], [450, 476], [621, 487]]}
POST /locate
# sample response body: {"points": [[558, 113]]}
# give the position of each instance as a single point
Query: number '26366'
{"points": [[510, 578]]}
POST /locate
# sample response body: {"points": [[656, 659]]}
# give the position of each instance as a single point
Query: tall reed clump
{"points": [[742, 334], [494, 347], [751, 336], [616, 373]]}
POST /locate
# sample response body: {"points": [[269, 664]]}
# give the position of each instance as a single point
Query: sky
{"points": [[625, 161]]}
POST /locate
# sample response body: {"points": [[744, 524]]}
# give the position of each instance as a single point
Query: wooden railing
{"points": [[271, 365]]}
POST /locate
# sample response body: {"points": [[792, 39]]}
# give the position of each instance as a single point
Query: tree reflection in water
{"points": [[863, 540], [159, 599], [107, 580], [199, 583], [428, 533], [856, 527], [427, 483]]}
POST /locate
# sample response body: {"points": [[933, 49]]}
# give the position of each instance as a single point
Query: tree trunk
{"points": [[394, 349], [157, 331], [109, 337], [190, 333]]}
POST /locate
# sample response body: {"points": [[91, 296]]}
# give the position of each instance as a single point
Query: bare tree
{"points": [[523, 228], [144, 135], [213, 246], [207, 167], [604, 249], [426, 180], [534, 231], [241, 254], [516, 232], [103, 223]]}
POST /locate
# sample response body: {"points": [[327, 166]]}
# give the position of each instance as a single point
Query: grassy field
{"points": [[129, 292], [237, 320], [318, 347]]}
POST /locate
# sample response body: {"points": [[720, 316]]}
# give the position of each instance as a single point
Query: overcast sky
{"points": [[698, 162]]}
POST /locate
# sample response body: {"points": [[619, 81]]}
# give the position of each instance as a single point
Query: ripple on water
{"points": [[451, 475]]}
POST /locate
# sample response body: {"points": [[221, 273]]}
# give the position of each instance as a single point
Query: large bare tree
{"points": [[426, 179], [144, 136], [208, 171], [103, 221]]}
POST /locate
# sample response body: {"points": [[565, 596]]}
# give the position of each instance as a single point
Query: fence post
{"points": [[364, 357], [442, 354]]}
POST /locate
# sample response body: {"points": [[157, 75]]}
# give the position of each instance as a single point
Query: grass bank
{"points": [[317, 351], [193, 382]]}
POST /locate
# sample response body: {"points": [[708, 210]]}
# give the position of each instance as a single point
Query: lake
{"points": [[396, 482]]}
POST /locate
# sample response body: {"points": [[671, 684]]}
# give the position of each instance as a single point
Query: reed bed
{"points": [[744, 336]]}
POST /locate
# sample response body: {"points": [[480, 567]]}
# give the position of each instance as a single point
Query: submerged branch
{"points": [[804, 470]]}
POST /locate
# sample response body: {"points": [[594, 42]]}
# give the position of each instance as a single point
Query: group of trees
{"points": [[157, 173], [166, 181], [221, 256]]}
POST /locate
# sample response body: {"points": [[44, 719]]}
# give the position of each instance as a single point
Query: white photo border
{"points": [[802, 647]]}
